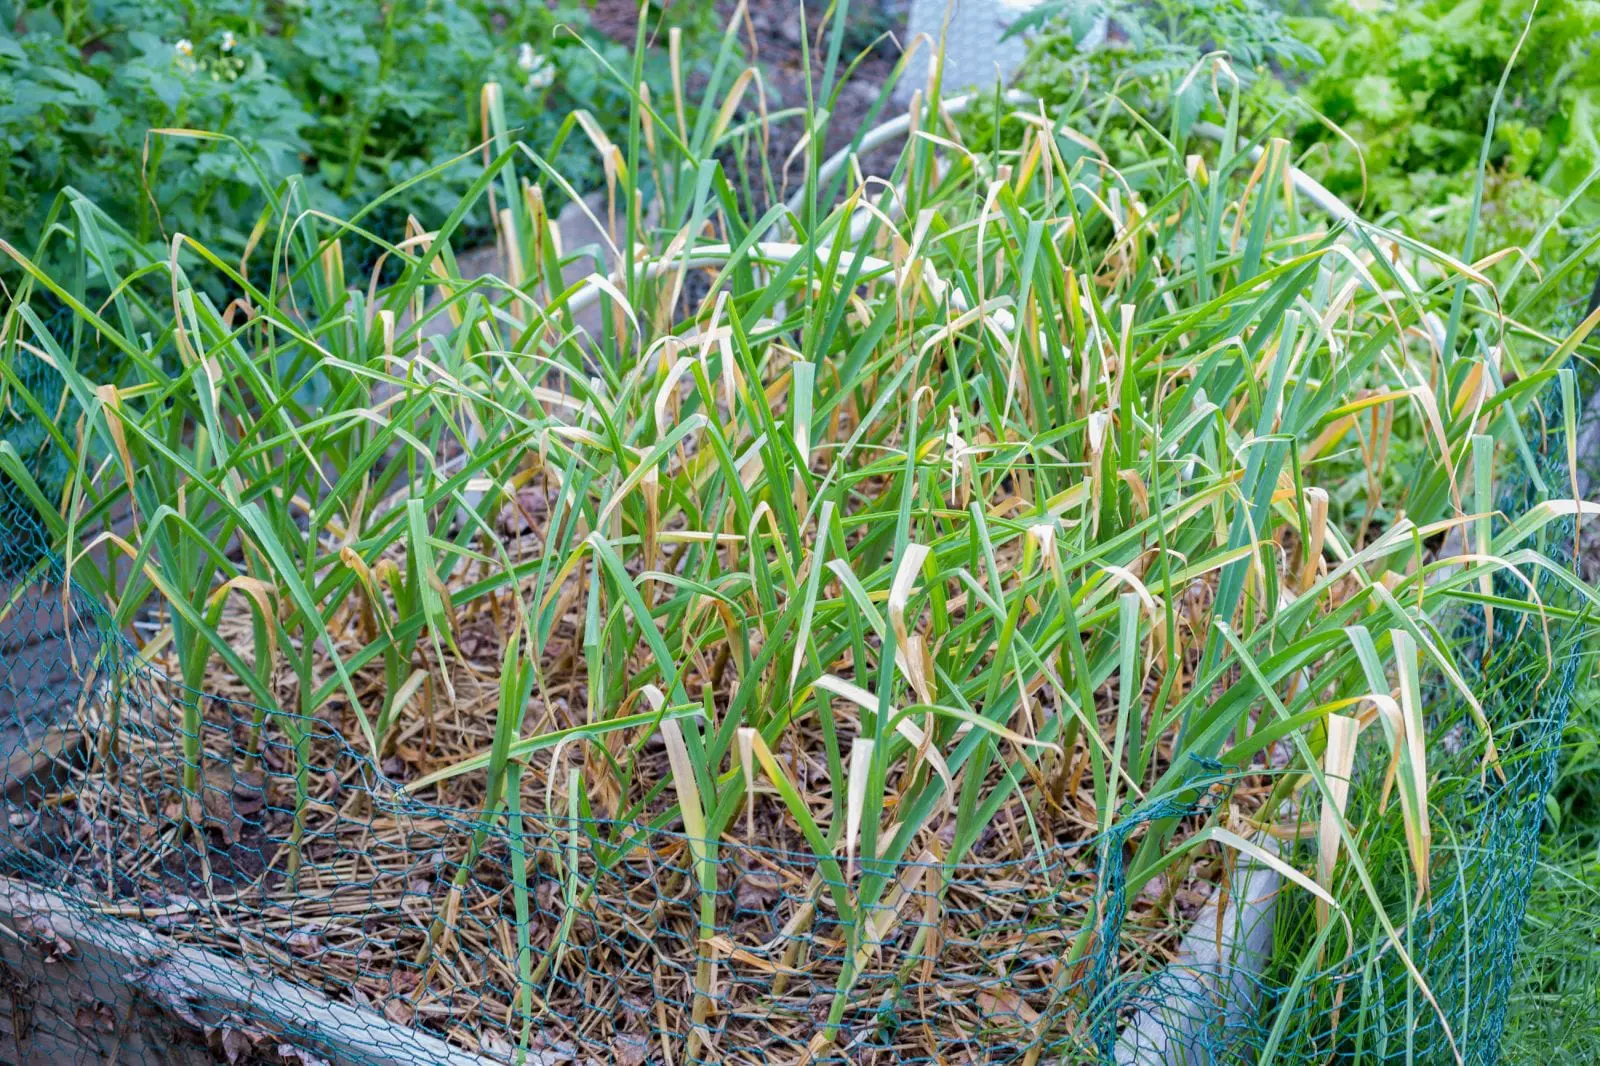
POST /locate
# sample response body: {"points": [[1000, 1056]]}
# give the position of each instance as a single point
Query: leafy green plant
{"points": [[353, 96], [1412, 83], [1127, 45]]}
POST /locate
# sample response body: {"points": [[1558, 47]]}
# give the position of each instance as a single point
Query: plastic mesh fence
{"points": [[143, 926]]}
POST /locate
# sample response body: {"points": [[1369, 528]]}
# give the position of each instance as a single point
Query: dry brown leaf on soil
{"points": [[1002, 1006]]}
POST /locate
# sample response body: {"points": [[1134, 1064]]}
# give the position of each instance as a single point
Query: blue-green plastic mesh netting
{"points": [[260, 963]]}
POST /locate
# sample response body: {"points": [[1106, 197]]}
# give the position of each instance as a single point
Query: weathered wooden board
{"points": [[78, 1010], [88, 988]]}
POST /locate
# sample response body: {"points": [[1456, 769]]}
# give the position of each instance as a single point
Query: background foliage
{"points": [[1408, 81], [1412, 84], [1121, 45], [354, 95]]}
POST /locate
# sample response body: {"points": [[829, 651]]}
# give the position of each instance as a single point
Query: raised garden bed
{"points": [[682, 694]]}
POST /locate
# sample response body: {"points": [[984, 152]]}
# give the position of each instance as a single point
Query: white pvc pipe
{"points": [[1211, 987]]}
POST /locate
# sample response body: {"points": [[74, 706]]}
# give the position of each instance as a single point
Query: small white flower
{"points": [[527, 58], [228, 41], [542, 76], [184, 47]]}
